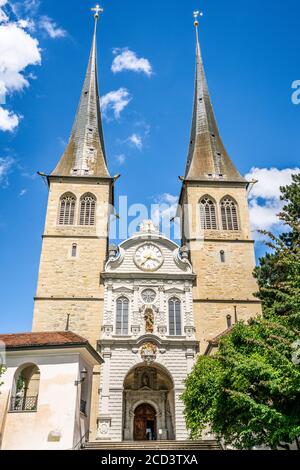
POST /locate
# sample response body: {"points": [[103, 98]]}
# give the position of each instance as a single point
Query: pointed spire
{"points": [[208, 158], [85, 152]]}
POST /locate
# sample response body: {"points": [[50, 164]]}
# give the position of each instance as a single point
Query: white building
{"points": [[45, 396], [148, 339]]}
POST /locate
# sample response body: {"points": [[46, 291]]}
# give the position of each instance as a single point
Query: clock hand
{"points": [[147, 259]]}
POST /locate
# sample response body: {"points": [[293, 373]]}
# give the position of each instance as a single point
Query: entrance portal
{"points": [[149, 404], [145, 423]]}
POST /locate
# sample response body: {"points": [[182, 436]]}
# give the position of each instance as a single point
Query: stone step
{"points": [[154, 445]]}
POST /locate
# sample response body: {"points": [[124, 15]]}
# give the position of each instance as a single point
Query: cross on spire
{"points": [[196, 15], [97, 11]]}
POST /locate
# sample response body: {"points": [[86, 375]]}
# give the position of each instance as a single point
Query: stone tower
{"points": [[75, 240], [215, 223]]}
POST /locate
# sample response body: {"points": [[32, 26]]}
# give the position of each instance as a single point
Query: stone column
{"points": [[104, 421]]}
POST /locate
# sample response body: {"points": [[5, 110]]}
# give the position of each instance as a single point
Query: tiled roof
{"points": [[26, 340], [216, 340]]}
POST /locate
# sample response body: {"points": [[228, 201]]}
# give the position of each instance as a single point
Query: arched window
{"points": [[67, 209], [26, 389], [229, 213], [208, 214], [122, 316], [222, 256], [175, 328], [87, 210]]}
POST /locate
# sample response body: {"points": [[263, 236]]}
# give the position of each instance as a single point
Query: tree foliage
{"points": [[249, 392]]}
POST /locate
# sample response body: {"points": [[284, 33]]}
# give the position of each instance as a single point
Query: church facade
{"points": [[148, 306], [148, 338]]}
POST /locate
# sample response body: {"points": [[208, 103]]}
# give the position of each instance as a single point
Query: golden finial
{"points": [[196, 16], [97, 11]]}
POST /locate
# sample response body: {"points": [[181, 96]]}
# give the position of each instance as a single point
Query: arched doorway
{"points": [[149, 404], [145, 425]]}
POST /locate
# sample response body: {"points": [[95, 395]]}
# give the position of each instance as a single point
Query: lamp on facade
{"points": [[83, 375]]}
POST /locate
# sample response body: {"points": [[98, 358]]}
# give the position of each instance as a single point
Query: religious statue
{"points": [[149, 319], [145, 380]]}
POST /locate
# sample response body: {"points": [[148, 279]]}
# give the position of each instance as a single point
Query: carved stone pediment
{"points": [[123, 290], [174, 290]]}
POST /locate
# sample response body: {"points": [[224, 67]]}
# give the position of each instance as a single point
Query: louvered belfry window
{"points": [[229, 213], [87, 210], [208, 214], [67, 210]]}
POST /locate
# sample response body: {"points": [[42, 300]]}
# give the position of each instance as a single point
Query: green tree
{"points": [[249, 392]]}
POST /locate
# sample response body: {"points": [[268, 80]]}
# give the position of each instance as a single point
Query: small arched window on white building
{"points": [[87, 210], [229, 214], [122, 316], [67, 209], [175, 323], [26, 389], [208, 214]]}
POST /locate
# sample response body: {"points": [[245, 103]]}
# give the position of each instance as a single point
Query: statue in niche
{"points": [[149, 320], [145, 380]]}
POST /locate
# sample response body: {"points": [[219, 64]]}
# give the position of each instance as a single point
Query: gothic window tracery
{"points": [[208, 214], [229, 214], [87, 210], [67, 209]]}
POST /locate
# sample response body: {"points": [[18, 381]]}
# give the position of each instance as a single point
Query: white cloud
{"points": [[166, 206], [163, 212], [3, 16], [128, 60], [168, 198], [31, 6], [121, 159], [9, 121], [23, 192], [115, 101], [27, 24], [264, 198], [50, 27], [135, 140], [18, 50], [6, 165]]}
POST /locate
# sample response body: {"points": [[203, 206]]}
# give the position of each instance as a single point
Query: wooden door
{"points": [[144, 415]]}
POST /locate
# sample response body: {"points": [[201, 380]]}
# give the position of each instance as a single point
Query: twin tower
{"points": [[75, 247]]}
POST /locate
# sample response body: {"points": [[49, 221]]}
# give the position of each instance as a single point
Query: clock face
{"points": [[148, 296], [148, 257]]}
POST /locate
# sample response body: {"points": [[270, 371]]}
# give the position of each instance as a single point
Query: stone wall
{"points": [[68, 285], [221, 286]]}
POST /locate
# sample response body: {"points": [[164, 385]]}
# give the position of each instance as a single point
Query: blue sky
{"points": [[251, 51]]}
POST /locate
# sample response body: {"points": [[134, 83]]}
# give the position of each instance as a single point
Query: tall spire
{"points": [[207, 158], [85, 152]]}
